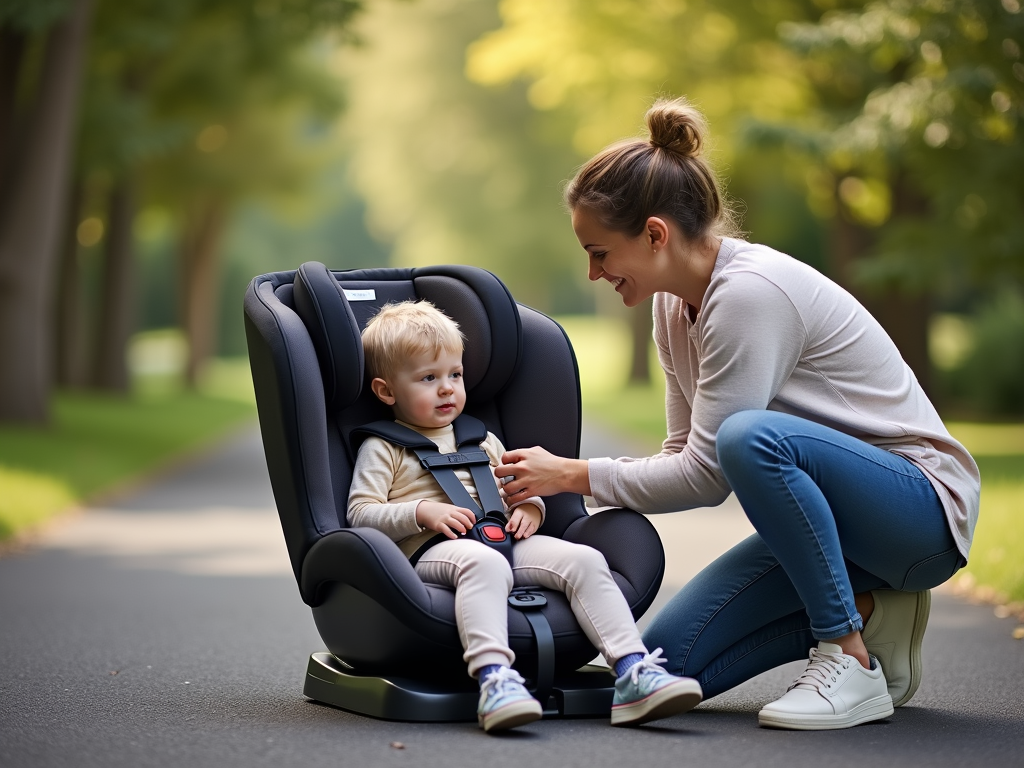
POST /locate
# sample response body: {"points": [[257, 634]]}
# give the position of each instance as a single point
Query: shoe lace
{"points": [[649, 663], [822, 670], [495, 682]]}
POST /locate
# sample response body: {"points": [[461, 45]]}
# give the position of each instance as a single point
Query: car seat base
{"points": [[587, 692]]}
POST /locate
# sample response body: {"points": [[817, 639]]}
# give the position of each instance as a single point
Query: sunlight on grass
{"points": [[602, 352], [229, 379], [98, 442], [602, 347], [989, 439], [29, 498], [997, 557]]}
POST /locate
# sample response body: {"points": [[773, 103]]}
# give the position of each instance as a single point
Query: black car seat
{"points": [[393, 649]]}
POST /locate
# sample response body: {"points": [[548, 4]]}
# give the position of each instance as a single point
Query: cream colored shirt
{"points": [[773, 333], [388, 483]]}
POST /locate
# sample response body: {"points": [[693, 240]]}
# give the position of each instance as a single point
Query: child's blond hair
{"points": [[403, 330]]}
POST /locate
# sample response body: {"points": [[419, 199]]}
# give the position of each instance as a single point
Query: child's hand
{"points": [[444, 518], [525, 521]]}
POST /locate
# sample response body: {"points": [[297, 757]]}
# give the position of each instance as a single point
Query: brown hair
{"points": [[628, 182], [400, 331]]}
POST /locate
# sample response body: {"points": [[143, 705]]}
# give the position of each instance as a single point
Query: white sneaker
{"points": [[834, 691], [893, 634]]}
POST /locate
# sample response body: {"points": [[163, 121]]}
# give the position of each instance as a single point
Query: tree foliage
{"points": [[604, 61], [897, 119], [189, 106], [597, 66], [204, 104], [32, 15], [452, 171], [921, 100]]}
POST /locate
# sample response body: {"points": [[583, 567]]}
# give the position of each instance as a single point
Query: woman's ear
{"points": [[657, 233], [382, 390]]}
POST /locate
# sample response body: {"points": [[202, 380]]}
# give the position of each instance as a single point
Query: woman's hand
{"points": [[444, 518], [527, 472], [525, 521]]}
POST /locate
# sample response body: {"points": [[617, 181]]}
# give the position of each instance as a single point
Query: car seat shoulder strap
{"points": [[393, 432], [471, 432], [442, 465]]}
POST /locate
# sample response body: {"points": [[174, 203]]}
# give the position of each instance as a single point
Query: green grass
{"points": [[602, 353], [96, 443], [997, 555]]}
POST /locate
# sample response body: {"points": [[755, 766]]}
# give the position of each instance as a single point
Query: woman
{"points": [[782, 389]]}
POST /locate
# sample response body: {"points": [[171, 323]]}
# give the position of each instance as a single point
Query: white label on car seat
{"points": [[365, 295]]}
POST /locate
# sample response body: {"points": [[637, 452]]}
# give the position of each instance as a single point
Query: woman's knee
{"points": [[737, 437]]}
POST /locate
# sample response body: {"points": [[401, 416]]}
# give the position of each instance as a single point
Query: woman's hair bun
{"points": [[677, 127]]}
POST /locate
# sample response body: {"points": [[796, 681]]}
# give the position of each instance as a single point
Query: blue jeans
{"points": [[834, 517]]}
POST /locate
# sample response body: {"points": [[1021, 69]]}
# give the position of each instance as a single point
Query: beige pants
{"points": [[482, 580]]}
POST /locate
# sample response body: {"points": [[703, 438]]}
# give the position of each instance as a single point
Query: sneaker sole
{"points": [[674, 699], [511, 715], [878, 708], [924, 607]]}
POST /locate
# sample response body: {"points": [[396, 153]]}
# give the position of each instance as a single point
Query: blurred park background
{"points": [[155, 155]]}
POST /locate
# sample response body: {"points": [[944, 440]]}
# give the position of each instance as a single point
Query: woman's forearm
{"points": [[577, 476]]}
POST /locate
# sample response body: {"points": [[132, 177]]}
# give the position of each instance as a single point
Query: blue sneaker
{"points": [[504, 702], [647, 692]]}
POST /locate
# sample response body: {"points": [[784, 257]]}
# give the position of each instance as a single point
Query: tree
{"points": [[597, 66], [898, 118], [916, 134], [453, 171], [33, 200], [245, 101], [159, 77]]}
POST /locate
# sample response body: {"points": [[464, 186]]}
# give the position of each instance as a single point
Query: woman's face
{"points": [[625, 262]]}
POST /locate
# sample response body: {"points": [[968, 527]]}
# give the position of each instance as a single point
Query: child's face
{"points": [[427, 392]]}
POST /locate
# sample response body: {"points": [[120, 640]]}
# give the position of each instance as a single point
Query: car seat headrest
{"points": [[477, 300], [321, 303]]}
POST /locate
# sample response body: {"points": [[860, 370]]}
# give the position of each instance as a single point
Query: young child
{"points": [[413, 353]]}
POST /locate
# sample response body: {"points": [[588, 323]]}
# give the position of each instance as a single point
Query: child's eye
{"points": [[429, 377], [457, 375]]}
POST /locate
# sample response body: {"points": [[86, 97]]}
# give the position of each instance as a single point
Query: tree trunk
{"points": [[30, 226], [117, 292], [641, 322], [905, 312], [72, 328], [12, 48], [905, 318], [200, 284], [849, 242]]}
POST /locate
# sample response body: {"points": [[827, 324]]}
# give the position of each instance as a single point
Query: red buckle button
{"points": [[493, 533]]}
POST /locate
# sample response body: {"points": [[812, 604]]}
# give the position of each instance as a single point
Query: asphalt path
{"points": [[166, 629]]}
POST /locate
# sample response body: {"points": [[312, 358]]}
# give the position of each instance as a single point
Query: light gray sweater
{"points": [[773, 333]]}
